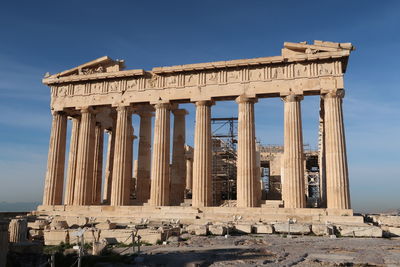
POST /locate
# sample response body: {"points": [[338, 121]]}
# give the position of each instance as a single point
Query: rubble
{"points": [[217, 229], [364, 230], [244, 228], [295, 228], [263, 229]]}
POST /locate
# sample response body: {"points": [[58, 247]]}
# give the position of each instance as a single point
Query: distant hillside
{"points": [[18, 206], [392, 212]]}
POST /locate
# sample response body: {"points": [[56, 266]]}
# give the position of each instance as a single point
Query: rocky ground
{"points": [[269, 250]]}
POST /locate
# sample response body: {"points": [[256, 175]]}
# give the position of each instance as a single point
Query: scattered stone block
{"points": [[217, 229], [320, 229], [393, 221], [55, 237], [58, 224], [77, 221], [263, 229], [191, 229], [185, 236], [390, 231], [360, 230], [295, 228], [201, 230], [243, 228], [38, 224]]}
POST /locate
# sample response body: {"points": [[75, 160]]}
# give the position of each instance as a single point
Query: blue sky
{"points": [[41, 36]]}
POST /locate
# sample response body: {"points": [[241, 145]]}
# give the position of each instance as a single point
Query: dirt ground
{"points": [[270, 250]]}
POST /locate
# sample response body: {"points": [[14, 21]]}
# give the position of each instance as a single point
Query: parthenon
{"points": [[100, 97]]}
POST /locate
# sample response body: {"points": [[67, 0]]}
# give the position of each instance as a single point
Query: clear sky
{"points": [[52, 36]]}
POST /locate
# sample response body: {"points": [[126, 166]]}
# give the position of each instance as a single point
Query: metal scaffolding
{"points": [[224, 139]]}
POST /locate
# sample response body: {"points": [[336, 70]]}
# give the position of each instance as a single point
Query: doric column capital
{"points": [[123, 108], [204, 103], [178, 112], [57, 112], [292, 98], [162, 106], [86, 109], [334, 94], [245, 99]]}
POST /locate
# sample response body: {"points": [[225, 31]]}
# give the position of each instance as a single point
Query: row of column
{"points": [[164, 186]]}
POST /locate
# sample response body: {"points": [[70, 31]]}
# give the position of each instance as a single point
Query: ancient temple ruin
{"points": [[100, 98]]}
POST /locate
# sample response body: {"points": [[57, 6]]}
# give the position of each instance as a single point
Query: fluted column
{"points": [[189, 168], [293, 163], [202, 158], [160, 179], [144, 158], [178, 171], [53, 187], [321, 155], [130, 159], [98, 164], [337, 179], [248, 185], [84, 165], [18, 230], [109, 166], [73, 154], [122, 169]]}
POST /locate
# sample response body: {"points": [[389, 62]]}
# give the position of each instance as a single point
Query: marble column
{"points": [[73, 154], [18, 230], [178, 168], [98, 164], [248, 185], [189, 168], [144, 158], [202, 158], [337, 179], [122, 169], [132, 137], [159, 191], [109, 166], [321, 155], [293, 191], [53, 187], [84, 165]]}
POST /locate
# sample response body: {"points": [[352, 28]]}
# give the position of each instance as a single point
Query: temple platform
{"points": [[191, 215]]}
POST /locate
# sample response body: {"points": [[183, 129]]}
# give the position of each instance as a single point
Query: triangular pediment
{"points": [[100, 65]]}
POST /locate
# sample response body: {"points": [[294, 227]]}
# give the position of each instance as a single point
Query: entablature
{"points": [[302, 68]]}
